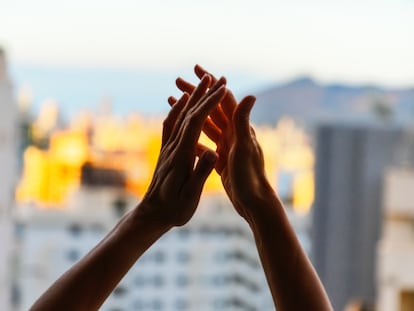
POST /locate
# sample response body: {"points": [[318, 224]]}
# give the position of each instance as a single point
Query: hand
{"points": [[241, 166], [175, 190], [240, 163]]}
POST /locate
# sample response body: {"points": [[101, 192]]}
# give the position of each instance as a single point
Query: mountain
{"points": [[146, 91], [308, 101]]}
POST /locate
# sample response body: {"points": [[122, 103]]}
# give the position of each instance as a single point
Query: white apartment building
{"points": [[209, 264], [8, 169], [395, 271]]}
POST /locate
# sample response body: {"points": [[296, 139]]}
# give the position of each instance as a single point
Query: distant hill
{"points": [[308, 102]]}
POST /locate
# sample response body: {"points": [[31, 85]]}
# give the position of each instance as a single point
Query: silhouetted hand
{"points": [[240, 163], [170, 201], [292, 279], [175, 190]]}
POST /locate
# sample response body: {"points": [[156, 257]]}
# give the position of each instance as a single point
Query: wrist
{"points": [[146, 215], [259, 204]]}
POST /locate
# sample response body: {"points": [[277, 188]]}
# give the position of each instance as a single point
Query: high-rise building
{"points": [[350, 162], [8, 161], [395, 270], [211, 263]]}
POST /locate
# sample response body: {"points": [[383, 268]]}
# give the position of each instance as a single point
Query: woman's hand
{"points": [[240, 163], [175, 190], [293, 282]]}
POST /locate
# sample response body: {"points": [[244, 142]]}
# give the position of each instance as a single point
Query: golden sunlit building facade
{"points": [[131, 146]]}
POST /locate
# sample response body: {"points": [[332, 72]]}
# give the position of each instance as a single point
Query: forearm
{"points": [[88, 283], [293, 281]]}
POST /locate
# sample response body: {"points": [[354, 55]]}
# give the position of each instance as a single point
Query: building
{"points": [[209, 264], [395, 272], [54, 156], [49, 241], [8, 169], [350, 162]]}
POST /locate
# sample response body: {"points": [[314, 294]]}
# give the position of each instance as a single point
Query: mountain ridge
{"points": [[309, 101]]}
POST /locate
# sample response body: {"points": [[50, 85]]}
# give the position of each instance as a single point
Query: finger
{"points": [[199, 91], [241, 118], [199, 105], [190, 132], [229, 104], [184, 85], [201, 149], [200, 72], [217, 115], [172, 100], [221, 163], [171, 120], [196, 95], [202, 170], [211, 130]]}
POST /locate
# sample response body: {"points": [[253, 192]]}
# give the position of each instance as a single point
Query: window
{"points": [[181, 304], [159, 257], [140, 281], [75, 229], [183, 257], [183, 233], [138, 305], [158, 281], [182, 280], [120, 291], [157, 304]]}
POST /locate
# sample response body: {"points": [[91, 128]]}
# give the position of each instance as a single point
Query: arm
{"points": [[170, 201], [292, 279]]}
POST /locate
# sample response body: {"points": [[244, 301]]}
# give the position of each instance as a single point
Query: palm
{"points": [[240, 165]]}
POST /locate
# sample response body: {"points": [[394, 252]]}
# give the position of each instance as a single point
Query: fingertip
{"points": [[241, 117], [172, 100], [199, 71], [222, 81], [246, 104], [178, 81], [251, 98], [206, 78], [180, 102], [186, 95]]}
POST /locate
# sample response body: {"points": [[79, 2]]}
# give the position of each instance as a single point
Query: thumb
{"points": [[241, 117], [203, 169]]}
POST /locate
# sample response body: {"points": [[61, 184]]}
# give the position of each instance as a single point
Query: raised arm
{"points": [[292, 279], [170, 201]]}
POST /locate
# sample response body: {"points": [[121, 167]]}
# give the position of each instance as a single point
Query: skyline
{"points": [[348, 42]]}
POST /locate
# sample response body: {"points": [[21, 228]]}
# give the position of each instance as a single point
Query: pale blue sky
{"points": [[353, 41]]}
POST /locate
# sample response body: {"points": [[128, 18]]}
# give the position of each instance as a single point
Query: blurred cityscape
{"points": [[340, 157]]}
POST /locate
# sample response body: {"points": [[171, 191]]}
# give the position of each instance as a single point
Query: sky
{"points": [[354, 40]]}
